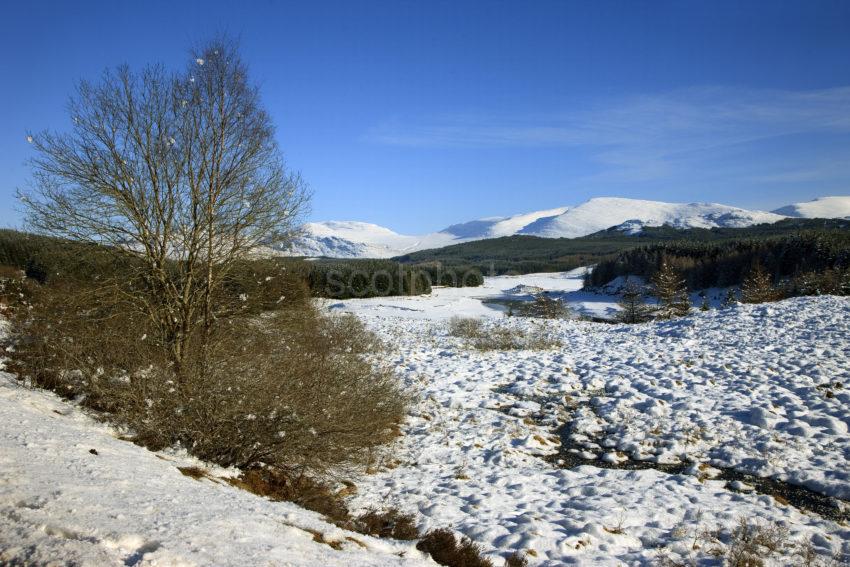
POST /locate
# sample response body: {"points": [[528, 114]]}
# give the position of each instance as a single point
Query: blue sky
{"points": [[417, 115]]}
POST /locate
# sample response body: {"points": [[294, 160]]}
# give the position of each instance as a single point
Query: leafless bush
{"points": [[290, 389], [446, 549], [516, 559], [387, 524], [809, 557], [751, 543], [466, 327], [510, 338]]}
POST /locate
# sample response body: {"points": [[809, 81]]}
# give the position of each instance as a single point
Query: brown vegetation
{"points": [[446, 549], [290, 388]]}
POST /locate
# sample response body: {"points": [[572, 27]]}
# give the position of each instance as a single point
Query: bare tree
{"points": [[179, 171]]}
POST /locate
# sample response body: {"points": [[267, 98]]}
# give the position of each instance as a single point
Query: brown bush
{"points": [[507, 338], [387, 524], [445, 549], [466, 327], [751, 543], [303, 490], [292, 389], [516, 559]]}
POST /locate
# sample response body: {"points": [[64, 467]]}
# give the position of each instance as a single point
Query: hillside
{"points": [[350, 239], [526, 254]]}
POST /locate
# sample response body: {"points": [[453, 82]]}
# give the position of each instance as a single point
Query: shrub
{"points": [[292, 389], [466, 327], [834, 281], [445, 549], [751, 543], [387, 524], [545, 307], [516, 560], [500, 337]]}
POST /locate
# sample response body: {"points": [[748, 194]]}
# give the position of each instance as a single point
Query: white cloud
{"points": [[642, 137]]}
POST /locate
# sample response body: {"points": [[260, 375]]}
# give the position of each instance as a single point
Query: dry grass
{"points": [[751, 543], [497, 336], [510, 338], [387, 524], [516, 559], [466, 327]]}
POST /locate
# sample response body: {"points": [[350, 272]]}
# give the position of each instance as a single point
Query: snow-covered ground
{"points": [[483, 301], [763, 389], [62, 504]]}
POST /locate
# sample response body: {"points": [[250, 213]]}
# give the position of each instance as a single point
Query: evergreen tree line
{"points": [[344, 279], [805, 263], [671, 291], [256, 284]]}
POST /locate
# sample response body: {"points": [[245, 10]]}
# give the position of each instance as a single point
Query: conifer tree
{"points": [[757, 287], [633, 309], [704, 306], [730, 299], [672, 293]]}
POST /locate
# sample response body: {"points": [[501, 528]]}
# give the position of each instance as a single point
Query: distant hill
{"points": [[526, 254], [631, 217]]}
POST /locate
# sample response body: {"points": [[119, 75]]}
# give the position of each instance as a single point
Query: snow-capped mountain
{"points": [[350, 239], [821, 208], [605, 212]]}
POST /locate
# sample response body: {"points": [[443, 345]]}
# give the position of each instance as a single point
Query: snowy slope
{"points": [[822, 208], [349, 239], [605, 212], [500, 226], [61, 504]]}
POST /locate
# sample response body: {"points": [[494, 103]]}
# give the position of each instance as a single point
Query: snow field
{"points": [[760, 388]]}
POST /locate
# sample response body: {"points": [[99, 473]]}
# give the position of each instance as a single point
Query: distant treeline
{"points": [[794, 258], [523, 254], [343, 279], [261, 284]]}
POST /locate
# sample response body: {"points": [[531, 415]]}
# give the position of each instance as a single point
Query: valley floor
{"points": [[763, 389]]}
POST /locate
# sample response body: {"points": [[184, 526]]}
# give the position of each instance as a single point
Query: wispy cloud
{"points": [[641, 137]]}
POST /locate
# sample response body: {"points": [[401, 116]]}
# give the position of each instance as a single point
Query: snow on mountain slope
{"points": [[348, 239], [601, 213], [821, 208], [500, 226], [351, 239]]}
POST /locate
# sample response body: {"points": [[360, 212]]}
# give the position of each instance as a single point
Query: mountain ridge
{"points": [[355, 239]]}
